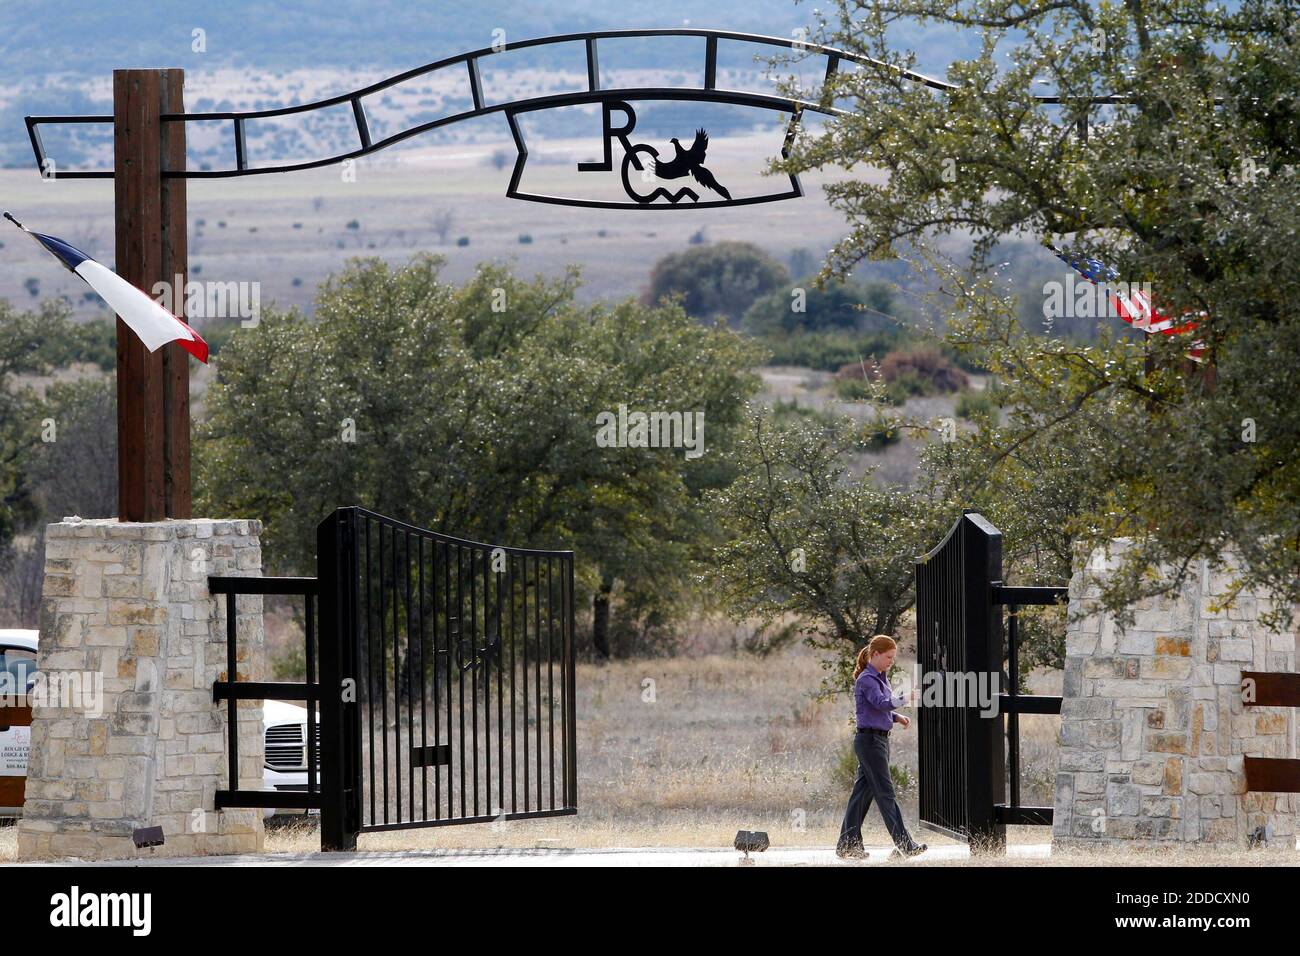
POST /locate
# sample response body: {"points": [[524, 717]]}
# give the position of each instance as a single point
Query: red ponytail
{"points": [[877, 645]]}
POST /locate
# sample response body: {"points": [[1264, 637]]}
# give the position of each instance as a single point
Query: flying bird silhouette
{"points": [[691, 161]]}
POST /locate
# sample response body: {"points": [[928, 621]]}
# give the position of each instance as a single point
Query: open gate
{"points": [[967, 758], [454, 662], [444, 674]]}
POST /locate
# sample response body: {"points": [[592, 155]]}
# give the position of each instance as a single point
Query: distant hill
{"points": [[39, 39], [58, 58]]}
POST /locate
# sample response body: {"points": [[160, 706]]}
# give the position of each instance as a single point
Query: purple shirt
{"points": [[875, 700]]}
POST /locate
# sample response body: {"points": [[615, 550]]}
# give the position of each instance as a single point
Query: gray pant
{"points": [[872, 782]]}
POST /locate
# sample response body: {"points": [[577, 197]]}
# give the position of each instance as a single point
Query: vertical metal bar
{"points": [[565, 757], [832, 64], [796, 117], [537, 669], [500, 659], [711, 63], [1013, 718], [410, 709], [313, 784], [335, 552], [514, 744], [424, 656], [436, 673], [232, 705], [370, 670], [550, 676], [460, 637], [475, 83], [397, 677], [982, 638], [487, 685], [523, 559], [571, 747], [241, 147], [449, 634], [593, 66], [383, 665], [346, 650], [473, 670], [38, 147], [363, 128]]}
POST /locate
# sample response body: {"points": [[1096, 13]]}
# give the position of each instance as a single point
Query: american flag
{"points": [[1133, 303]]}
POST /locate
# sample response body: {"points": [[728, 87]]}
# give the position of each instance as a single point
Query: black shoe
{"points": [[851, 853], [916, 849]]}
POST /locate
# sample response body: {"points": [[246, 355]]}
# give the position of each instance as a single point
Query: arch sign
{"points": [[652, 176]]}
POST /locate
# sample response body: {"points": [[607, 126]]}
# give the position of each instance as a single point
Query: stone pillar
{"points": [[128, 735], [1153, 728]]}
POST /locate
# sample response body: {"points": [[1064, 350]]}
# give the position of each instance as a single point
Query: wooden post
{"points": [[153, 391]]}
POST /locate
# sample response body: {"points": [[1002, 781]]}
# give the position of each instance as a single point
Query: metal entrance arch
{"points": [[594, 93]]}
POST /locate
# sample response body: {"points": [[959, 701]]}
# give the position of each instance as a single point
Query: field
{"points": [[287, 232], [730, 742]]}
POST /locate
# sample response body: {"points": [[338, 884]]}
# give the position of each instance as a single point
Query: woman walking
{"points": [[875, 703]]}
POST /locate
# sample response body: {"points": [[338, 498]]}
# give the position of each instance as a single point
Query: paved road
{"points": [[784, 856]]}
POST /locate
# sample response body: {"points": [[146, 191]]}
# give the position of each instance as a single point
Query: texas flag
{"points": [[150, 321]]}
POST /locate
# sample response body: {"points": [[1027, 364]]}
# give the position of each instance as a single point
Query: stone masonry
{"points": [[127, 604], [1153, 728]]}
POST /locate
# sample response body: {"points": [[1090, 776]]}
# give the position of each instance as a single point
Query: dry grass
{"points": [[716, 743], [730, 741], [726, 741]]}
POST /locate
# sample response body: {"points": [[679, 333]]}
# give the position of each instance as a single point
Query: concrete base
{"points": [[126, 734]]}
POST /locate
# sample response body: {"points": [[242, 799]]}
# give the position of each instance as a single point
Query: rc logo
{"points": [[76, 909]]}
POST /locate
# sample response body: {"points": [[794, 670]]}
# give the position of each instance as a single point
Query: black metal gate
{"points": [[454, 668], [963, 751]]}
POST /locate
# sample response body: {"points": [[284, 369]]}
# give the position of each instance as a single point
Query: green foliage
{"points": [[475, 422], [93, 342], [791, 411], [1187, 184], [807, 538], [828, 351], [722, 279], [854, 389], [806, 306], [973, 405], [217, 333], [31, 343], [76, 472], [903, 374], [880, 433], [844, 771], [902, 778]]}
